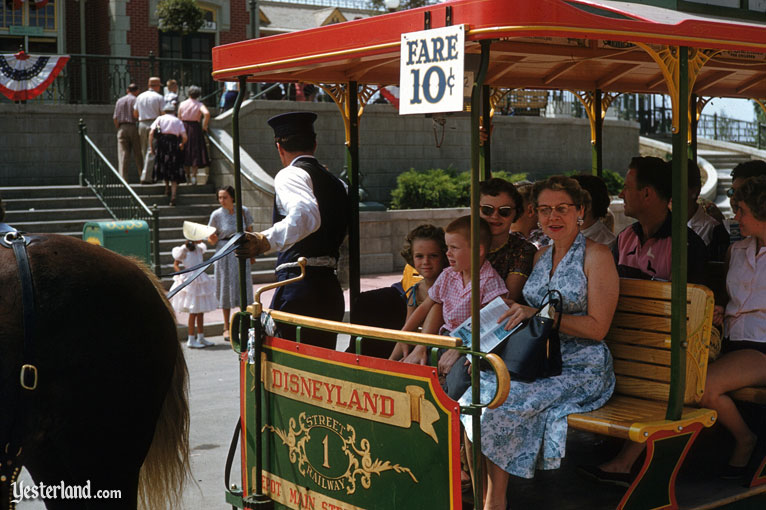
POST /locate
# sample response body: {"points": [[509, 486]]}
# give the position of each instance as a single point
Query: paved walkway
{"points": [[214, 320]]}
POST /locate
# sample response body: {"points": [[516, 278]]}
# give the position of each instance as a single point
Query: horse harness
{"points": [[17, 396]]}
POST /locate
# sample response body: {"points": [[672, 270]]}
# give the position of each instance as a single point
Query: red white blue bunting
{"points": [[24, 77]]}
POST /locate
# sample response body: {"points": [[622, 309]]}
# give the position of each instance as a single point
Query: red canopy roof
{"points": [[554, 44]]}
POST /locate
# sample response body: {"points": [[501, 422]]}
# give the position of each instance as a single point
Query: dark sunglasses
{"points": [[504, 211]]}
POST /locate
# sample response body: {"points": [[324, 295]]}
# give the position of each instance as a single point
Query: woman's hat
{"points": [[197, 231]]}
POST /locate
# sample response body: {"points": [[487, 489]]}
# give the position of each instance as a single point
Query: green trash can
{"points": [[129, 237]]}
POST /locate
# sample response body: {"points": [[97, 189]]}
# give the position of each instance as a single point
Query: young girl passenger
{"points": [[198, 297], [425, 250]]}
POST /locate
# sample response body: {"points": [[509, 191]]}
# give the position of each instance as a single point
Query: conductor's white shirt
{"points": [[295, 200]]}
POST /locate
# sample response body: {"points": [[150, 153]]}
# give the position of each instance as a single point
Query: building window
{"points": [[28, 26]]}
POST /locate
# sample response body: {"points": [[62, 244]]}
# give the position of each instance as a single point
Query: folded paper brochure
{"points": [[492, 334]]}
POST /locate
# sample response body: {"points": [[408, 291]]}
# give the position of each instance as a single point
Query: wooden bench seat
{"points": [[639, 340]]}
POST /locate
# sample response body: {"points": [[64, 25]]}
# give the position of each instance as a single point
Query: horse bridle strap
{"points": [[11, 436], [16, 241]]}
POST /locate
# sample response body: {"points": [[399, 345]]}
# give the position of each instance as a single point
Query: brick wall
{"points": [[240, 21], [142, 37]]}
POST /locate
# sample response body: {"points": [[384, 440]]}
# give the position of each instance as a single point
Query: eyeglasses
{"points": [[730, 192], [546, 210], [504, 211]]}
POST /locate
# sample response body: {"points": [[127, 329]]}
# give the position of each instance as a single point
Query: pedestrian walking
{"points": [[147, 108], [128, 142]]}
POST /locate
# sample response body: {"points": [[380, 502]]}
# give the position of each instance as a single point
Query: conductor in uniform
{"points": [[310, 220]]}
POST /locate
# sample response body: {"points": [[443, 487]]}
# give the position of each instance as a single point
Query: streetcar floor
{"points": [[698, 487]]}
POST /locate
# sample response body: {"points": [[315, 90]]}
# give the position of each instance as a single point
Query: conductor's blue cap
{"points": [[293, 123]]}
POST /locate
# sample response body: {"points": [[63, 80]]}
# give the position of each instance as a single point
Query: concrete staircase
{"points": [[66, 209]]}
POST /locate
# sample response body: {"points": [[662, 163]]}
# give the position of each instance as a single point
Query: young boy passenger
{"points": [[449, 298]]}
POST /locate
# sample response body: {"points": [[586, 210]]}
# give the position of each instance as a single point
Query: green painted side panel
{"points": [[350, 432]]}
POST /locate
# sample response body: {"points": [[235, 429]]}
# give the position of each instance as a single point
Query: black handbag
{"points": [[533, 351]]}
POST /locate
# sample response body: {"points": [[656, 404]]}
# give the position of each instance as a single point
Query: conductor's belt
{"points": [[324, 261]]}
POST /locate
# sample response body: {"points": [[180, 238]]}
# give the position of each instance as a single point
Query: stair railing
{"points": [[119, 199]]}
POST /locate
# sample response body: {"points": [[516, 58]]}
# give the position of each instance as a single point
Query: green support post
{"points": [[678, 256], [354, 251], [258, 499], [83, 154], [598, 129], [476, 96], [485, 153], [243, 276]]}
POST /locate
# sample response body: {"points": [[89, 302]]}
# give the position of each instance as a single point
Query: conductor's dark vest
{"points": [[333, 211]]}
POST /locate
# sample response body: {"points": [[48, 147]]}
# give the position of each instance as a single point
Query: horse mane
{"points": [[166, 467]]}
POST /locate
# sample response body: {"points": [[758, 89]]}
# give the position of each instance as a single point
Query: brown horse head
{"points": [[111, 394]]}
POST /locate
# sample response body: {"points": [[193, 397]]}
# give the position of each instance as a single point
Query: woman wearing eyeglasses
{"points": [[529, 430]]}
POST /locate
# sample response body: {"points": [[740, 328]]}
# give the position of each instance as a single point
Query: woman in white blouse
{"points": [[170, 134], [743, 362]]}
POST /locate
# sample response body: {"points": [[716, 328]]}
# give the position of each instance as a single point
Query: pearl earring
{"points": [[580, 221], [539, 225]]}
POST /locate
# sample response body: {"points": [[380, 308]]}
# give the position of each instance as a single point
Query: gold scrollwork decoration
{"points": [[667, 58], [588, 99], [339, 94], [361, 465], [495, 96]]}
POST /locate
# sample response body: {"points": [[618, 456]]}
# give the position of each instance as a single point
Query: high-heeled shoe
{"points": [[173, 201]]}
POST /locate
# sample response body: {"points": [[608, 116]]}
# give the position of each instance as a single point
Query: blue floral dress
{"points": [[529, 430]]}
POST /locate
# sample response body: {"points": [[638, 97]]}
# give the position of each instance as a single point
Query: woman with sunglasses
{"points": [[511, 256], [528, 431]]}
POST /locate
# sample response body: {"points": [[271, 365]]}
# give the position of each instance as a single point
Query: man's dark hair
{"points": [[132, 87], [654, 172], [747, 169], [296, 143], [494, 186], [599, 195]]}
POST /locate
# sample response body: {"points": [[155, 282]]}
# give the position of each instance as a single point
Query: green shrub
{"points": [[435, 188], [614, 182], [438, 188]]}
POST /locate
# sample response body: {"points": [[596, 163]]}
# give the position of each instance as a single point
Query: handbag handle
{"points": [[553, 297]]}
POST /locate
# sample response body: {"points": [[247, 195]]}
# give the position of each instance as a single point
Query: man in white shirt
{"points": [[310, 220], [710, 230], [147, 108]]}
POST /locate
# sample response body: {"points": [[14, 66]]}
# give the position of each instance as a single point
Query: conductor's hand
{"points": [[254, 244]]}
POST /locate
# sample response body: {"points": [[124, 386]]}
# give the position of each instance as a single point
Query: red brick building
{"points": [[119, 35]]}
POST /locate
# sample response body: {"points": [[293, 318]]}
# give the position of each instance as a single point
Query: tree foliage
{"points": [[182, 16]]}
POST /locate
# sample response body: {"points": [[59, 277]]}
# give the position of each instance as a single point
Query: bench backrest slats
{"points": [[642, 388], [656, 373], [639, 339], [642, 353]]}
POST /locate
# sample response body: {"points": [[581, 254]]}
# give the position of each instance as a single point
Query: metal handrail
{"points": [[114, 193]]}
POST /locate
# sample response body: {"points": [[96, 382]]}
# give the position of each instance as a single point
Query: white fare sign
{"points": [[431, 71]]}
